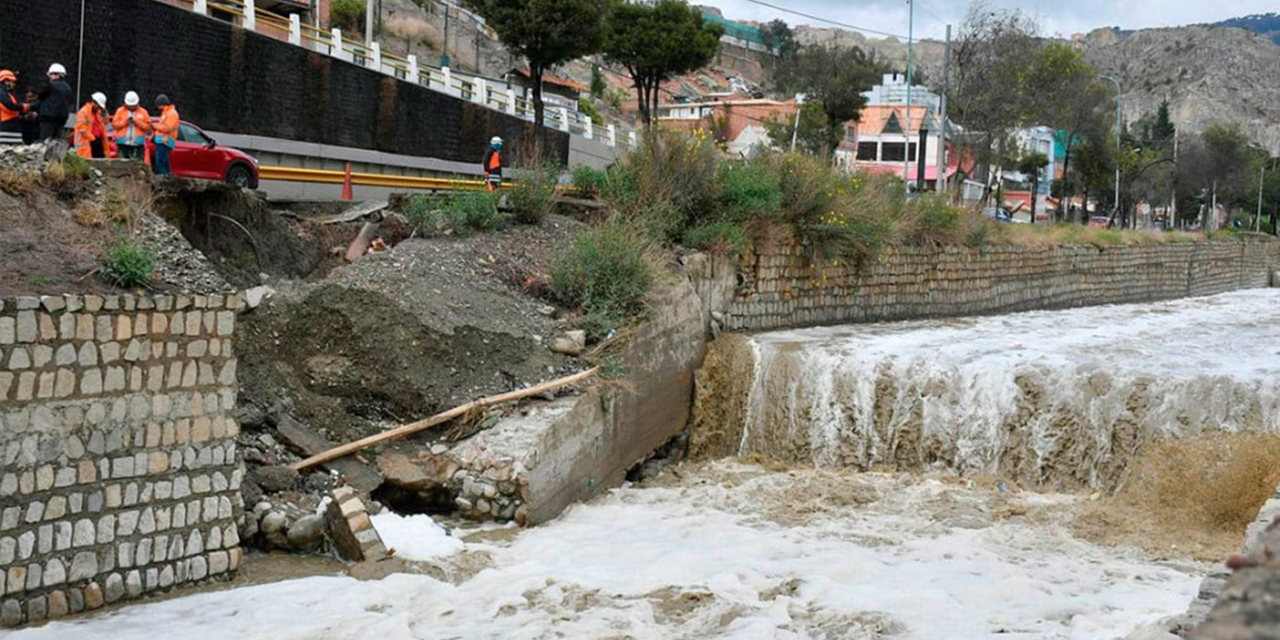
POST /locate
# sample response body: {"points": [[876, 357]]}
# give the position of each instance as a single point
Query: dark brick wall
{"points": [[226, 79]]}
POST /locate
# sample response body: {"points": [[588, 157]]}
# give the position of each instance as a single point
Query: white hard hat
{"points": [[100, 98], [58, 69], [496, 140], [131, 99]]}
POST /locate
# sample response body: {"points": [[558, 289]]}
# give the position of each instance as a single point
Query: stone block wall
{"points": [[782, 287], [118, 468]]}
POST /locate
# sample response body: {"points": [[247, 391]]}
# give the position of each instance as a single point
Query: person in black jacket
{"points": [[30, 125], [55, 104]]}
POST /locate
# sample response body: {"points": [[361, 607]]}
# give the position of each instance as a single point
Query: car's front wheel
{"points": [[239, 176]]}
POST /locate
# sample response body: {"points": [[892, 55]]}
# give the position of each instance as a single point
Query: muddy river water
{"points": [[878, 495]]}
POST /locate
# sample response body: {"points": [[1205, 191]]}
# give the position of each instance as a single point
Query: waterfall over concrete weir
{"points": [[1048, 397]]}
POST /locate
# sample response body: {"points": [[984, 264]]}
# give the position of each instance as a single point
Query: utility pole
{"points": [[1117, 83], [906, 131], [444, 47], [80, 57], [1173, 197], [795, 130], [1257, 222], [941, 174]]}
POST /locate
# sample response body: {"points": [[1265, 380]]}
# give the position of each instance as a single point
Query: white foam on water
{"points": [[415, 537], [710, 557], [1090, 376]]}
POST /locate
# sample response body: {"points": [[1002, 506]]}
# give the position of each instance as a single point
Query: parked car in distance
{"points": [[1100, 221], [998, 214], [197, 155]]}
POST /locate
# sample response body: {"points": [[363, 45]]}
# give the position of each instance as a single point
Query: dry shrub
{"points": [[18, 183], [55, 173], [1190, 496], [128, 200], [1053, 235], [89, 214], [408, 27]]}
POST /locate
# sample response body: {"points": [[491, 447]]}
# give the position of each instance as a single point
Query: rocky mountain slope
{"points": [[1209, 74]]}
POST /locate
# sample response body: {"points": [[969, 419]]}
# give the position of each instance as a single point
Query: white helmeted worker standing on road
{"points": [[53, 108], [132, 124], [493, 165]]}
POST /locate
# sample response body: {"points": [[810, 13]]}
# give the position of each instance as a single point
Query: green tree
{"points": [[655, 42], [780, 38], [1162, 131], [347, 15], [545, 33], [1067, 94], [598, 84], [834, 79], [815, 134]]}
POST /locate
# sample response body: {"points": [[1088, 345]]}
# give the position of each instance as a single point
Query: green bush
{"points": [[347, 15], [462, 214], [76, 166], [933, 220], [669, 166], [588, 109], [606, 274], [718, 237], [589, 182], [533, 197], [748, 190], [128, 265]]}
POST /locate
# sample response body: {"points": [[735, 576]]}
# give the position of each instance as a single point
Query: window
{"points": [[188, 133], [851, 134], [892, 152], [867, 150], [892, 125], [914, 150]]}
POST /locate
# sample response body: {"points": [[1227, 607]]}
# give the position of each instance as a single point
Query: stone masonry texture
{"points": [[118, 467], [782, 287], [224, 78]]}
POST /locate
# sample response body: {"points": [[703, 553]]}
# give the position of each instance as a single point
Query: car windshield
{"points": [[188, 133]]}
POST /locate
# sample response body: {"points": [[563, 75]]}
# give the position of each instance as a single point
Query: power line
{"points": [[826, 20]]}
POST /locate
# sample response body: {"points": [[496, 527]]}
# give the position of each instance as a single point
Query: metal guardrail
{"points": [[322, 176]]}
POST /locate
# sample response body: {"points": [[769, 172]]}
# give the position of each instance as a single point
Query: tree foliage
{"points": [[545, 33], [779, 37], [656, 42], [815, 134], [834, 79]]}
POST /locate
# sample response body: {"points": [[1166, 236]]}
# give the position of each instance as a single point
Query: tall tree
{"points": [[1067, 94], [812, 131], [1032, 165], [1162, 131], [833, 78], [990, 69], [545, 33], [779, 37], [655, 42]]}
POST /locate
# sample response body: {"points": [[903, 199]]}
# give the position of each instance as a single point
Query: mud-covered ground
{"points": [[720, 550], [400, 335]]}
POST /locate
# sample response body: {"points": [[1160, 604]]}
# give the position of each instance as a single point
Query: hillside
{"points": [[1264, 24], [1208, 73]]}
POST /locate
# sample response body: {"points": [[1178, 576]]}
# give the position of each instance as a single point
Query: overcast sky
{"points": [[1056, 17]]}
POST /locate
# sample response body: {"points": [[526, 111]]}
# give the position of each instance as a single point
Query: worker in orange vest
{"points": [[165, 135], [11, 109], [91, 128], [133, 126], [493, 165]]}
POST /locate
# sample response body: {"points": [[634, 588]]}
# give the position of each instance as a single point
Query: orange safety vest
{"points": [[7, 114], [495, 161], [166, 130], [141, 121], [88, 120]]}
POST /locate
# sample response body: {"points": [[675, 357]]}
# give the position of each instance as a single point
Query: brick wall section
{"points": [[118, 470], [783, 288]]}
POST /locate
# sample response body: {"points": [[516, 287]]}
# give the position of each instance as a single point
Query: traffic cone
{"points": [[346, 185]]}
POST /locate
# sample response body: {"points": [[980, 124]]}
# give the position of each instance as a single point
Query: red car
{"points": [[197, 155], [1100, 221]]}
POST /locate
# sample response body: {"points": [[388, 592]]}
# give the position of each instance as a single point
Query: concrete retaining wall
{"points": [[782, 288], [119, 472]]}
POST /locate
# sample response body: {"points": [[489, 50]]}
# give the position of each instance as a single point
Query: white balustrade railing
{"points": [[468, 87]]}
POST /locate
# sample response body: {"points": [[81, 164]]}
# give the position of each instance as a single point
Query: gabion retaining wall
{"points": [[118, 470]]}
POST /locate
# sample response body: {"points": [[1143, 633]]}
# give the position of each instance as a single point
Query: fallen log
{"points": [[439, 418], [360, 245]]}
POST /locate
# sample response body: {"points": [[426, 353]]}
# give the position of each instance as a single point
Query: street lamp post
{"points": [[1117, 83]]}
